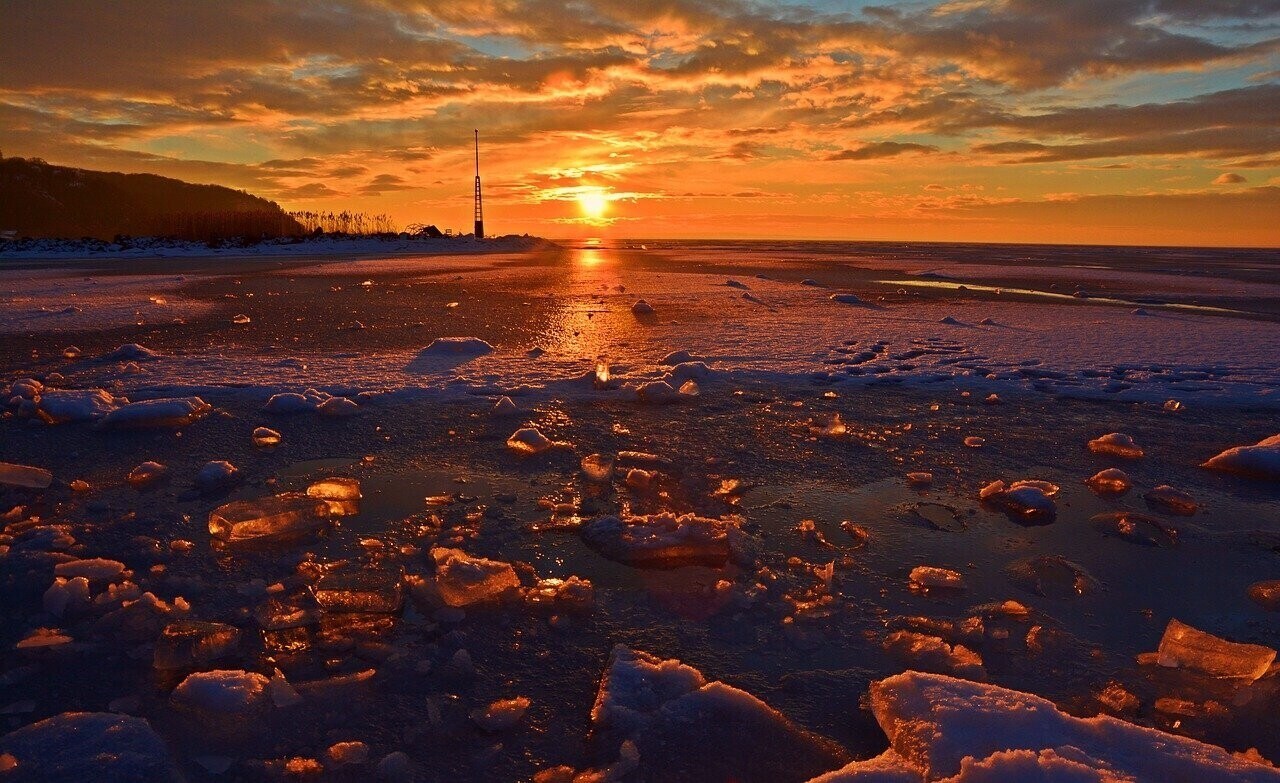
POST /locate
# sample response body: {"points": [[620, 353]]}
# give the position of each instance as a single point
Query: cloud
{"points": [[384, 183], [881, 149], [1229, 178]]}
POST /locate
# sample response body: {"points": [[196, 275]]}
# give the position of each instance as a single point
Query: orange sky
{"points": [[1114, 121]]}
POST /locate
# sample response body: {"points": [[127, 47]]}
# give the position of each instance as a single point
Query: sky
{"points": [[1094, 121]]}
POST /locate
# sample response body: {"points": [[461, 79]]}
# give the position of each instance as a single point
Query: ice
{"points": [[847, 299], [174, 412], [1266, 594], [657, 392], [1029, 498], [368, 590], [975, 441], [280, 516], [132, 352], [229, 692], [1109, 481], [677, 357], [42, 638], [1053, 576], [1116, 444], [66, 405], [504, 407], [931, 576], [289, 402], [1171, 501], [67, 596], [215, 475], [920, 478], [457, 346], [528, 441], [1136, 528], [338, 407], [640, 479], [266, 438], [888, 767], [395, 767], [574, 593], [641, 307], [140, 619], [686, 728], [87, 746], [945, 727], [281, 693], [24, 476], [344, 753], [71, 352], [1185, 647], [95, 569], [1261, 460], [597, 469], [664, 540], [932, 653], [462, 580], [342, 495], [193, 643], [500, 715], [146, 474], [689, 389], [240, 318]]}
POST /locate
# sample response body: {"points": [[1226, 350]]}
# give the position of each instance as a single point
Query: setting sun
{"points": [[593, 203]]}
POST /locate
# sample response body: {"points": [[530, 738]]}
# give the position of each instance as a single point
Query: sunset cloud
{"points": [[371, 104]]}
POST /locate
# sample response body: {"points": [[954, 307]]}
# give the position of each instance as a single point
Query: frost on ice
{"points": [[686, 728], [665, 540], [1261, 460]]}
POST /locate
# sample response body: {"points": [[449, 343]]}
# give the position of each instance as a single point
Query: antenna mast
{"points": [[479, 209]]}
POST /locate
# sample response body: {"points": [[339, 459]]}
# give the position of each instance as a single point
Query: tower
{"points": [[479, 209]]}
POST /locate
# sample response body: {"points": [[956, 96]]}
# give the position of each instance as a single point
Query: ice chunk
{"points": [[71, 352], [1261, 460], [132, 352], [146, 474], [1171, 501], [67, 596], [501, 714], [664, 540], [1030, 498], [847, 299], [1188, 648], [344, 753], [215, 475], [240, 318], [289, 402], [504, 407], [931, 576], [463, 580], [266, 438], [689, 389], [1116, 444], [920, 478], [456, 346], [24, 476], [95, 569], [1266, 594], [573, 593], [280, 516], [193, 643], [941, 725], [338, 407], [395, 767], [42, 638], [1136, 528], [641, 307], [368, 590], [975, 441], [341, 493], [87, 746], [657, 392], [1111, 480], [931, 653], [175, 412], [597, 468], [677, 357], [528, 441], [222, 692], [63, 405], [686, 728]]}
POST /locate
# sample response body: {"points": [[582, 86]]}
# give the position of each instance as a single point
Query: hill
{"points": [[38, 199]]}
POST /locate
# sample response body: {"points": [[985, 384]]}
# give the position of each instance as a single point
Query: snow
{"points": [[1116, 444], [664, 540], [1184, 647], [888, 767], [943, 727], [338, 407], [79, 746], [67, 405], [1261, 460], [504, 407], [176, 412], [223, 691], [528, 441]]}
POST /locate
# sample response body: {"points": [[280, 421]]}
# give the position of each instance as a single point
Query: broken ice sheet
{"points": [[462, 580], [280, 516], [192, 643], [1188, 648], [367, 590]]}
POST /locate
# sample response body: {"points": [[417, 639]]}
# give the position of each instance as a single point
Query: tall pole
{"points": [[479, 210]]}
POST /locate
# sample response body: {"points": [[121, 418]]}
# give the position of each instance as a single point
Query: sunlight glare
{"points": [[593, 203]]}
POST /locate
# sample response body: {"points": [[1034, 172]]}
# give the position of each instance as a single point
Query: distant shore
{"points": [[327, 245]]}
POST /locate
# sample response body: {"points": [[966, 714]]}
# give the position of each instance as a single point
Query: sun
{"points": [[593, 203]]}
